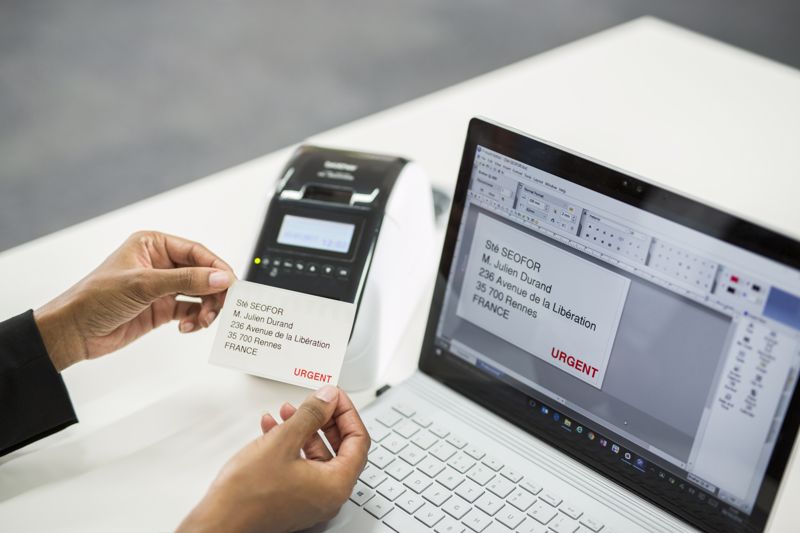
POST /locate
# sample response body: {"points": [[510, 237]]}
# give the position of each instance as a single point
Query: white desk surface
{"points": [[157, 421]]}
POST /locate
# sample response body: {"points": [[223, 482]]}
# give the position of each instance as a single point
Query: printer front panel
{"points": [[316, 249]]}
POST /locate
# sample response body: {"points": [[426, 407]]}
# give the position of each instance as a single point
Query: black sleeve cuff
{"points": [[34, 401]]}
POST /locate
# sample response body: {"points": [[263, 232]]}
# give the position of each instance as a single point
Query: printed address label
{"points": [[284, 335]]}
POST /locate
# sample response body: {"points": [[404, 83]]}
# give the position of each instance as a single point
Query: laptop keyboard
{"points": [[423, 477]]}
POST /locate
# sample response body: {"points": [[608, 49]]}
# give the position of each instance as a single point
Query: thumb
{"points": [[192, 281], [313, 413]]}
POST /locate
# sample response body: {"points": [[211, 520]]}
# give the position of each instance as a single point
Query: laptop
{"points": [[601, 355]]}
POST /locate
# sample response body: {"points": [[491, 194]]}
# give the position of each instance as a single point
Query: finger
{"points": [[209, 309], [150, 284], [314, 448], [183, 252], [352, 452], [330, 430], [331, 433], [187, 313], [312, 414], [268, 422]]}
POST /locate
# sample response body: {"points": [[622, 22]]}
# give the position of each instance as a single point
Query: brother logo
{"points": [[338, 165]]}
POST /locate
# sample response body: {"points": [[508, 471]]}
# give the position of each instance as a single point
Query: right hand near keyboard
{"points": [[269, 487]]}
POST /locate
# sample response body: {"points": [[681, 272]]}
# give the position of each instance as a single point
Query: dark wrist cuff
{"points": [[34, 401]]}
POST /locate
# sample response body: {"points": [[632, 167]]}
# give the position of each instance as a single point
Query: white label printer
{"points": [[356, 227]]}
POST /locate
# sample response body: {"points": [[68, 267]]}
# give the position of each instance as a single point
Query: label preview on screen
{"points": [[554, 305]]}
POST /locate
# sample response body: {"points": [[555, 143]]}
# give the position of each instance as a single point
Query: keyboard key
{"points": [[521, 499], [417, 482], [381, 457], [378, 507], [511, 475], [430, 466], [448, 525], [475, 453], [423, 421], [399, 470], [394, 443], [439, 431], [563, 524], [456, 507], [372, 477], [443, 451], [530, 525], [389, 418], [410, 502], [550, 498], [461, 462], [496, 527], [429, 515], [406, 428], [476, 520], [456, 441], [592, 524], [500, 486], [436, 494], [377, 432], [531, 486], [404, 409], [402, 523], [480, 475], [492, 463], [570, 511], [361, 494], [391, 489], [424, 439], [510, 517], [489, 504], [412, 455], [542, 512], [469, 490], [450, 478]]}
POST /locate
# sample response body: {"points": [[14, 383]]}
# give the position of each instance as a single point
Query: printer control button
{"points": [[312, 268], [300, 266], [327, 270], [343, 272], [273, 272], [288, 264]]}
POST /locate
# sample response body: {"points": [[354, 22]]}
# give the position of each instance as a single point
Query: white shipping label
{"points": [[284, 335], [551, 303]]}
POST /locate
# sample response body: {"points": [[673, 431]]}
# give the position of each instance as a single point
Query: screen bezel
{"points": [[513, 404]]}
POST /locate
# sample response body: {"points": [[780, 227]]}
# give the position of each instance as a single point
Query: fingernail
{"points": [[218, 280], [210, 318], [327, 393], [186, 327]]}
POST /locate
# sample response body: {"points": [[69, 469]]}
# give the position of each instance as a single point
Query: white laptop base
{"points": [[439, 462]]}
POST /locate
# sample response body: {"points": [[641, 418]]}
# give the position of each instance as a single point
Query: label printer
{"points": [[355, 227]]}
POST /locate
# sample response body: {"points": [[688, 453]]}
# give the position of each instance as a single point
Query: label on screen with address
{"points": [[284, 335]]}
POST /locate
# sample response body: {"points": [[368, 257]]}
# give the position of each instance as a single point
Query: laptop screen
{"points": [[647, 341]]}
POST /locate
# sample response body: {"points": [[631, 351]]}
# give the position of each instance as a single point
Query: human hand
{"points": [[132, 292], [269, 487]]}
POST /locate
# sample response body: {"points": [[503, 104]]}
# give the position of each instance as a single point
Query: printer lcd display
{"points": [[315, 233]]}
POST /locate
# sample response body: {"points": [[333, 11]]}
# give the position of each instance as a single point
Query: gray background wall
{"points": [[103, 103]]}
